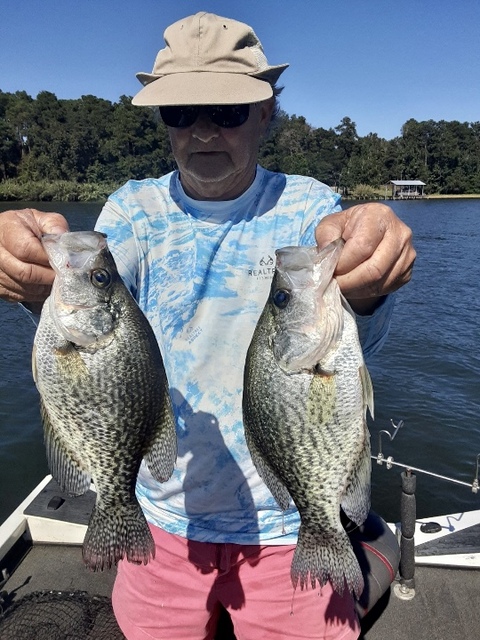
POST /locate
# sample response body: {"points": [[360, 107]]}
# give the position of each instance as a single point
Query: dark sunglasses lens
{"points": [[230, 115], [227, 116], [179, 116]]}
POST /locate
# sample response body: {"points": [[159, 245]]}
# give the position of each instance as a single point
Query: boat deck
{"points": [[445, 606]]}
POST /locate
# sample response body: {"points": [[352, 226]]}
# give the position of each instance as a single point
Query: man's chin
{"points": [[210, 170]]}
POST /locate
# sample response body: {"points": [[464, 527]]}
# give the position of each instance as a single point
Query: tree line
{"points": [[84, 148]]}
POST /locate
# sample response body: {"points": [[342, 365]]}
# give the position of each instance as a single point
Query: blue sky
{"points": [[379, 62]]}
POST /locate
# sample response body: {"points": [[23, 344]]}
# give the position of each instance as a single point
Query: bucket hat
{"points": [[208, 60]]}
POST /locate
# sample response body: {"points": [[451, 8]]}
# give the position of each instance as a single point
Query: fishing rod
{"points": [[405, 588], [389, 461]]}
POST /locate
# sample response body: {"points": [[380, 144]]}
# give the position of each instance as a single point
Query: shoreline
{"points": [[71, 191], [452, 196], [431, 196]]}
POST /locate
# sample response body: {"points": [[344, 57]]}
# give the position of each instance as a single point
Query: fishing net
{"points": [[60, 615]]}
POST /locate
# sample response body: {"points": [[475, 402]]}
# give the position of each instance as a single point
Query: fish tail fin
{"points": [[112, 536], [326, 559]]}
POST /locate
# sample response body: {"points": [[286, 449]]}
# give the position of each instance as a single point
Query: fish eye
{"points": [[281, 298], [100, 278]]}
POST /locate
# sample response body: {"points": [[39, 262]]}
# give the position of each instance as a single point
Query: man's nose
{"points": [[204, 129]]}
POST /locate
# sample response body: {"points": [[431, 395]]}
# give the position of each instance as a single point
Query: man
{"points": [[196, 249]]}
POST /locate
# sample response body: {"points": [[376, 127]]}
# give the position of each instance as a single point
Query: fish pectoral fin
{"points": [[265, 471], [322, 396], [367, 388], [356, 500], [62, 463], [70, 364], [161, 451]]}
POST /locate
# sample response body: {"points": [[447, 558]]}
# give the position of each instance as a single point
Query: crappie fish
{"points": [[306, 391], [103, 394]]}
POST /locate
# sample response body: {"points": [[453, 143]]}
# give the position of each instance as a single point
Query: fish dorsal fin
{"points": [[162, 446], [356, 500], [367, 388], [34, 364], [365, 379]]}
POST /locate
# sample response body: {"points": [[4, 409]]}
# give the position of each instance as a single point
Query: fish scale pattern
{"points": [[307, 435], [105, 402]]}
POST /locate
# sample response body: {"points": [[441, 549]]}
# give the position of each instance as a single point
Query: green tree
{"points": [[347, 143], [94, 141], [138, 143], [367, 164], [10, 150], [88, 131]]}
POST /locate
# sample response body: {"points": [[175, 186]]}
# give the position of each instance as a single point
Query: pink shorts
{"points": [[179, 595]]}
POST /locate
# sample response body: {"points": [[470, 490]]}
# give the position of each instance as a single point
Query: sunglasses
{"points": [[227, 116]]}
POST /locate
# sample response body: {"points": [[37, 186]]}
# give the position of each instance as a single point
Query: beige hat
{"points": [[208, 60]]}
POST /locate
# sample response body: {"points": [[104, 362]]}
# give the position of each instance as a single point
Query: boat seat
{"points": [[378, 553]]}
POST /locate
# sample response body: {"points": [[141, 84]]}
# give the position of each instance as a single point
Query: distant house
{"points": [[407, 189]]}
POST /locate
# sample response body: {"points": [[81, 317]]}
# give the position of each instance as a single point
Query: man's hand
{"points": [[378, 255], [25, 274]]}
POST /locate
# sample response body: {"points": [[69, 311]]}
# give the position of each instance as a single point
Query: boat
{"points": [[46, 589]]}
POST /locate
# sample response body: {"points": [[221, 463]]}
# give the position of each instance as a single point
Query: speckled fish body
{"points": [[104, 395], [306, 392]]}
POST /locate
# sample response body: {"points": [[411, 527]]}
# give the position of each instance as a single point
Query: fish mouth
{"points": [[70, 305], [82, 336], [63, 306], [298, 350], [73, 249], [69, 308], [301, 267], [64, 315]]}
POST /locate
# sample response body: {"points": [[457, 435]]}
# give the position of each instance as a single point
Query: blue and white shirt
{"points": [[201, 273]]}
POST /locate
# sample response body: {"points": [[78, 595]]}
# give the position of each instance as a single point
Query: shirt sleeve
{"points": [[322, 201], [115, 223], [373, 329]]}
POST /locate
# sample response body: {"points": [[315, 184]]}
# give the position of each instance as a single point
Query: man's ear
{"points": [[266, 112]]}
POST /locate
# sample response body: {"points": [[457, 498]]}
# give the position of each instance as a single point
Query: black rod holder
{"points": [[408, 515]]}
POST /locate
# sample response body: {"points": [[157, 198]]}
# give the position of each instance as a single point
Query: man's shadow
{"points": [[226, 558]]}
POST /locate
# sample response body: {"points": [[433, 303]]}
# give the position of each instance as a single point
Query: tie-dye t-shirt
{"points": [[201, 272]]}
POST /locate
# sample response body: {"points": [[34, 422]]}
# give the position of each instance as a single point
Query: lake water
{"points": [[427, 375]]}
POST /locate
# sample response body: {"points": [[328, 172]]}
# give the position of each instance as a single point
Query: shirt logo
{"points": [[265, 268], [267, 262], [193, 333]]}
